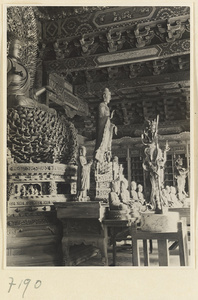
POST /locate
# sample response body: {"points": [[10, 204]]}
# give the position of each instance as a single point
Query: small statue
{"points": [[124, 193], [30, 190], [113, 196], [23, 191], [83, 175], [174, 199], [114, 201], [37, 190], [134, 194], [115, 166], [136, 205], [140, 194], [181, 174]]}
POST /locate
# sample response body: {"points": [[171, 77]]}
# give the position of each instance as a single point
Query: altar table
{"points": [[119, 230], [82, 224]]}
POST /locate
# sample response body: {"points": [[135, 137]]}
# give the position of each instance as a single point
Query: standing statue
{"points": [[154, 162], [180, 175], [104, 129], [18, 81], [83, 175], [115, 167]]}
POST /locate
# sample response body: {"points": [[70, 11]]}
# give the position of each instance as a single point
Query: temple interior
{"points": [[98, 136]]}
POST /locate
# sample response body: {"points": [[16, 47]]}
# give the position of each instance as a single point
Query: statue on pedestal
{"points": [[83, 175], [35, 132], [154, 162], [104, 129], [18, 80], [104, 171], [113, 197], [114, 200]]}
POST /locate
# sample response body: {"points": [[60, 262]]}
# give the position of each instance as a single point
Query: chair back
{"points": [[184, 212]]}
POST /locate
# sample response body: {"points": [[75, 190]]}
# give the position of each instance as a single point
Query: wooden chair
{"points": [[162, 241], [184, 212]]}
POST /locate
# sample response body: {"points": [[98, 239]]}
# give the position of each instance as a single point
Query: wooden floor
{"points": [[124, 256]]}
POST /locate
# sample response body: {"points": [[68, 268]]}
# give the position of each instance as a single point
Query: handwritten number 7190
{"points": [[25, 283]]}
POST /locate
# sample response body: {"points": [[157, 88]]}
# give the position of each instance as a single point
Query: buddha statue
{"points": [[18, 81]]}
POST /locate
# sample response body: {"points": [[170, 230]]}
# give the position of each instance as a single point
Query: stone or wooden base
{"points": [[34, 239], [166, 222], [82, 224], [118, 215]]}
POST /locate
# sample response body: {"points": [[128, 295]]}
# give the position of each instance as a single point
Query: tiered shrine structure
{"points": [[41, 167]]}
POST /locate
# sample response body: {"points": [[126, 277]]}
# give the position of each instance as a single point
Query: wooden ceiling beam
{"points": [[123, 85], [159, 51], [69, 26]]}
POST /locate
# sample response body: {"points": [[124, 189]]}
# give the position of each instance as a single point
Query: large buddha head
{"points": [[15, 46]]}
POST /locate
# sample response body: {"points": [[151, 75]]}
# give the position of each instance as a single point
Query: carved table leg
{"points": [[66, 257], [103, 250], [103, 245]]}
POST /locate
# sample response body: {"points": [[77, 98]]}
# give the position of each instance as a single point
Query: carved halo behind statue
{"points": [[35, 132]]}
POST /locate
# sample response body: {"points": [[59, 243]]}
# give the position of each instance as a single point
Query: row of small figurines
{"points": [[120, 200], [23, 190], [120, 188], [170, 197], [173, 199], [134, 203]]}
